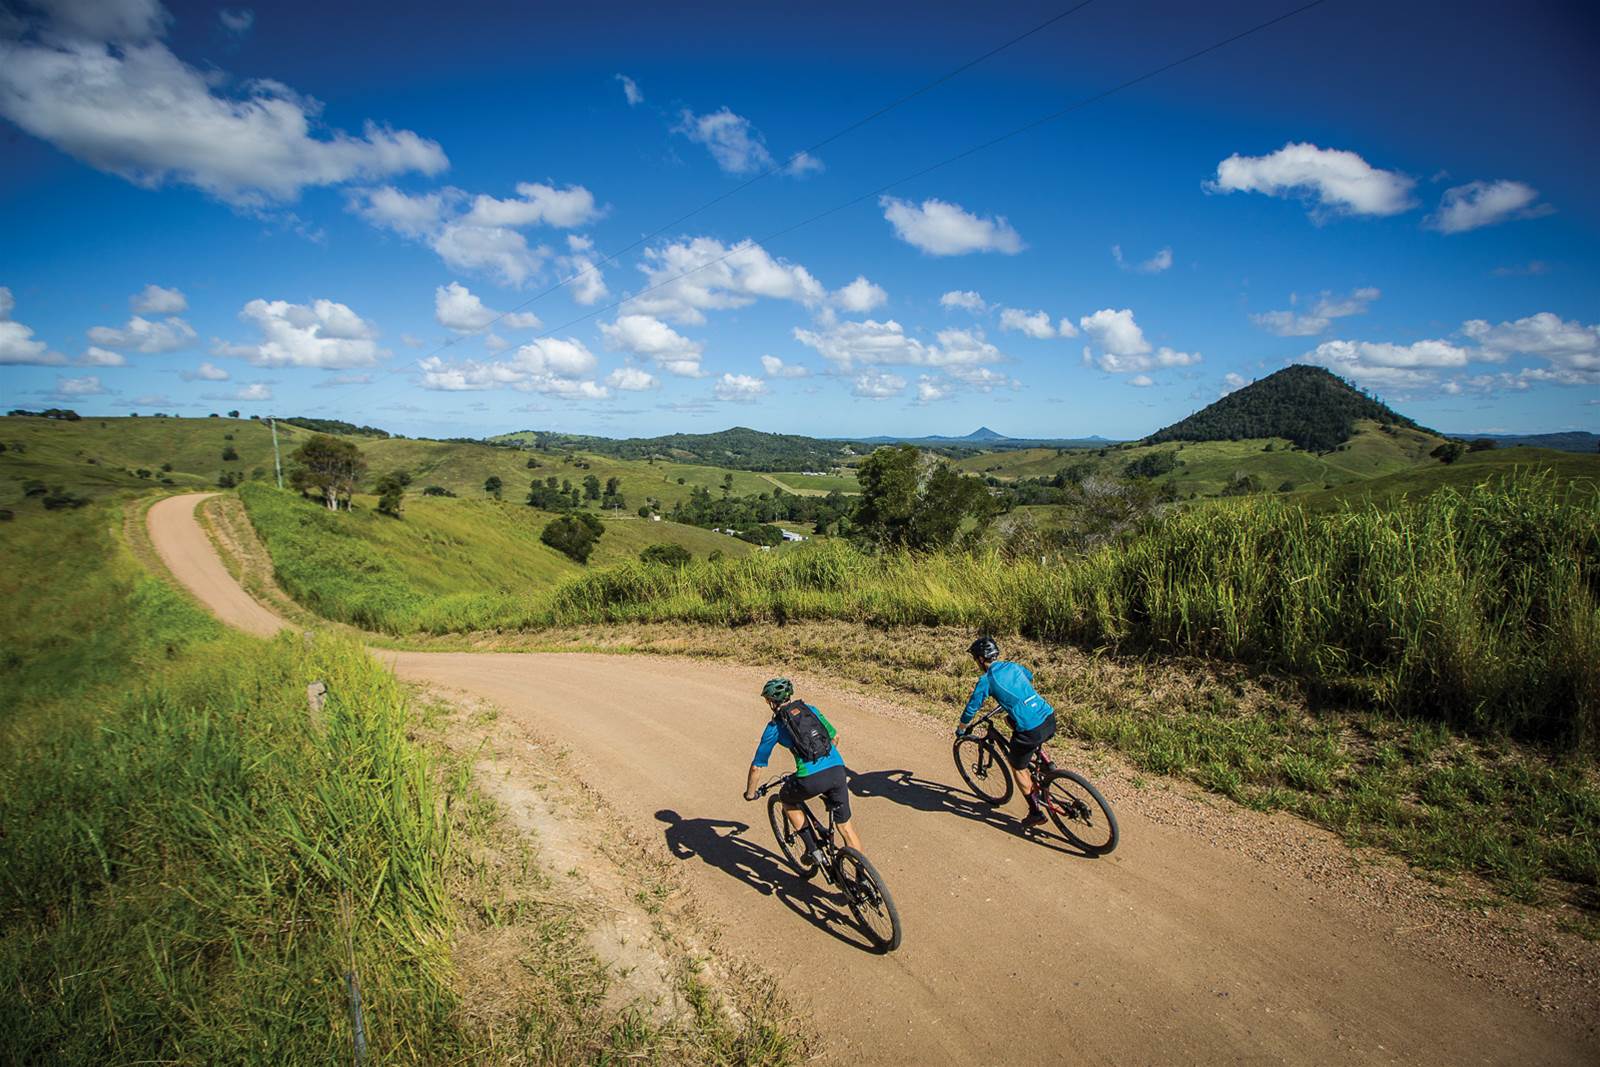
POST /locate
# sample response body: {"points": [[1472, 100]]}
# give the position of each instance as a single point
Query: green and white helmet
{"points": [[778, 689]]}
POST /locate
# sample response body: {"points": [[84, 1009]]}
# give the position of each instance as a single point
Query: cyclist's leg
{"points": [[835, 792]]}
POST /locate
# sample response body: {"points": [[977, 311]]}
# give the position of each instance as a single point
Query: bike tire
{"points": [[983, 767], [869, 899], [789, 842], [1081, 814]]}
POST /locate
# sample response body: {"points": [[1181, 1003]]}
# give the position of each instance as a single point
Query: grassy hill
{"points": [[1574, 471], [442, 557], [739, 448], [98, 457], [1310, 406], [1207, 466]]}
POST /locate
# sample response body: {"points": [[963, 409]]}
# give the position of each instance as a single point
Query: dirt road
{"points": [[1172, 950]]}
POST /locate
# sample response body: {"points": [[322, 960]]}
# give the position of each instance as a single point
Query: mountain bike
{"points": [[812, 848], [1073, 803]]}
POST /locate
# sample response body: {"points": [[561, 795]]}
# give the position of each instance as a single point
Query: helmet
{"points": [[778, 689], [984, 648]]}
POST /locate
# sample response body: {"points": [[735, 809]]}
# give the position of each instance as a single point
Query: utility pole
{"points": [[277, 461]]}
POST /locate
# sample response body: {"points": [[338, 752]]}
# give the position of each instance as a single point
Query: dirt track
{"points": [[1016, 951]]}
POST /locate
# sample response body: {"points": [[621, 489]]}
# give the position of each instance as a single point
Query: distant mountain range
{"points": [[1568, 441], [983, 437]]}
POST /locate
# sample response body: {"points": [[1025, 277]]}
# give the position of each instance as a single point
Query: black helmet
{"points": [[984, 648], [778, 689]]}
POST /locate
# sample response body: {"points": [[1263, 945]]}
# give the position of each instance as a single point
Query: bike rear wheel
{"points": [[869, 900], [789, 840], [1080, 812], [984, 770]]}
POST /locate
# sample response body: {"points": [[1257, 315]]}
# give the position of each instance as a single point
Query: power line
{"points": [[930, 168], [776, 168]]}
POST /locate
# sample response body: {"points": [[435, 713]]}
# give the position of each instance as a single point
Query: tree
{"points": [[233, 414], [613, 495], [329, 465], [1448, 452], [1480, 444], [591, 488], [912, 500], [644, 511], [391, 496], [574, 535], [229, 455], [492, 485], [669, 554], [727, 484]]}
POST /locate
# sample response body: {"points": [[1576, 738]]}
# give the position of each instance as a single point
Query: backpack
{"points": [[810, 737]]}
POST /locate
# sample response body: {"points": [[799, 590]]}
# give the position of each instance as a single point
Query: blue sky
{"points": [[296, 211]]}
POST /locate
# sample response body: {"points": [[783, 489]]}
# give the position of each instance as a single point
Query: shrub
{"points": [[573, 535], [668, 554], [436, 490], [229, 454]]}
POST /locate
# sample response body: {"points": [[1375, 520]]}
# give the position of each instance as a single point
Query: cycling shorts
{"points": [[1024, 743], [832, 785]]}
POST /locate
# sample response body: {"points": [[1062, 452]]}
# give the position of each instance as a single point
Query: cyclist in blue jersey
{"points": [[1033, 720], [819, 770]]}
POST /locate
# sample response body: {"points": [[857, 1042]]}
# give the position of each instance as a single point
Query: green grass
{"points": [[1577, 471], [443, 565]]}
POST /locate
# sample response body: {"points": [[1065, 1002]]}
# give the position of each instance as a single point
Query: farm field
{"points": [[1579, 471]]}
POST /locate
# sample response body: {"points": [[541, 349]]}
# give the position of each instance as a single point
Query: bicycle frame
{"points": [[1039, 764], [826, 843]]}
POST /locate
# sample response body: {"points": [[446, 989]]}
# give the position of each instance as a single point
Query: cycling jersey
{"points": [[1011, 685], [777, 733]]}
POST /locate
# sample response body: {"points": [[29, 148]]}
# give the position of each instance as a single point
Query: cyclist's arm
{"points": [[980, 693], [769, 740], [751, 781]]}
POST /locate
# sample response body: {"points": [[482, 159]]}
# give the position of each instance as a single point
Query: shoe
{"points": [[1035, 817]]}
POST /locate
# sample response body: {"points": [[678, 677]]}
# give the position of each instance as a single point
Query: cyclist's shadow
{"points": [[904, 788], [721, 843]]}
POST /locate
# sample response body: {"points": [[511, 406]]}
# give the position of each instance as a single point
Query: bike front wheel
{"points": [[983, 769], [789, 840], [1080, 812], [869, 900]]}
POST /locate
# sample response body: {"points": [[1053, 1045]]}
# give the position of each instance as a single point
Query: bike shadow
{"points": [[720, 843], [906, 789]]}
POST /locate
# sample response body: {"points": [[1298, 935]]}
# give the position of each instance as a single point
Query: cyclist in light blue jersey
{"points": [[1033, 720]]}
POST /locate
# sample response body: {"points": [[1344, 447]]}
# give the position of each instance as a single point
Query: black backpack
{"points": [[810, 737]]}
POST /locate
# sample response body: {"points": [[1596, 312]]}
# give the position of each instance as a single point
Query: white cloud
{"points": [[878, 385], [548, 367], [145, 335], [535, 204], [154, 300], [97, 82], [630, 90], [739, 387], [584, 278], [645, 335], [631, 379], [457, 308], [967, 299], [17, 345], [931, 389], [1388, 365], [850, 344], [255, 392], [733, 142], [777, 368], [237, 21], [1154, 265], [688, 278], [940, 228], [1340, 182], [75, 387], [337, 380], [206, 372], [1232, 381], [1065, 328], [1123, 347], [1143, 381], [860, 296], [1477, 204], [479, 233], [1571, 348], [1319, 317], [1035, 324], [983, 379], [803, 165], [325, 334], [95, 356]]}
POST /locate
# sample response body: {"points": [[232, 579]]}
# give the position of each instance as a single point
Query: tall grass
{"points": [[177, 837], [1480, 607]]}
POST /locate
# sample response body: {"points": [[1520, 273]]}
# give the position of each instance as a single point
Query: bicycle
{"points": [[1070, 799], [812, 848]]}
